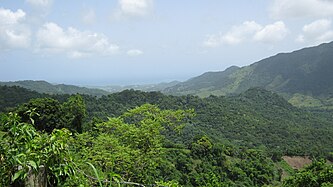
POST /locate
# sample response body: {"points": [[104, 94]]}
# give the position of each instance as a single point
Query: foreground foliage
{"points": [[130, 145], [24, 150], [128, 148]]}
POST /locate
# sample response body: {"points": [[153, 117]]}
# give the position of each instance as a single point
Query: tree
{"points": [[131, 145], [48, 114], [74, 111], [51, 114]]}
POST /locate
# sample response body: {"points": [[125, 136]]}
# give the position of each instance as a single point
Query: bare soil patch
{"points": [[297, 162]]}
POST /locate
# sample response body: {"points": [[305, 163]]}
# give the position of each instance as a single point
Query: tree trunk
{"points": [[38, 179]]}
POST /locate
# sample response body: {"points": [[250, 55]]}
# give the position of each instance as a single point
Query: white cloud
{"points": [[133, 8], [239, 33], [317, 32], [235, 35], [301, 8], [13, 32], [40, 3], [248, 31], [7, 17], [272, 33], [89, 17], [17, 39], [134, 52], [53, 38]]}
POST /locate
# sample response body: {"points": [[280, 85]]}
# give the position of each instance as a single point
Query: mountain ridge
{"points": [[307, 71], [41, 86]]}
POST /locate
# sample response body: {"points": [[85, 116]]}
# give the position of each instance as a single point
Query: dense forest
{"points": [[135, 138]]}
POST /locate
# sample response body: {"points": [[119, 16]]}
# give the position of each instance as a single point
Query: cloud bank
{"points": [[249, 31], [316, 32], [53, 38]]}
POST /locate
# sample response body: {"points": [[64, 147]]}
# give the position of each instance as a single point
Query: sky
{"points": [[122, 42]]}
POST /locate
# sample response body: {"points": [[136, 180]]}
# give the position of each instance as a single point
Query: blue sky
{"points": [[119, 42]]}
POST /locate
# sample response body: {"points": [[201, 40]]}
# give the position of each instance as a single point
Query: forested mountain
{"points": [[148, 138], [45, 87], [308, 71]]}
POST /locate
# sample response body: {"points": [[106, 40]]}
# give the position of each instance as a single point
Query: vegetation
{"points": [[24, 150], [53, 115], [317, 174], [139, 138], [131, 146], [254, 118]]}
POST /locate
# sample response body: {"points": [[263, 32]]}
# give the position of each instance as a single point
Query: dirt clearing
{"points": [[297, 162]]}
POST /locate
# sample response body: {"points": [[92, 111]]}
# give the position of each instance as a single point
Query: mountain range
{"points": [[53, 89], [48, 88], [308, 71], [303, 77]]}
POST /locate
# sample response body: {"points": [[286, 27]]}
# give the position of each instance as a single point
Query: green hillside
{"points": [[45, 87], [308, 71]]}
